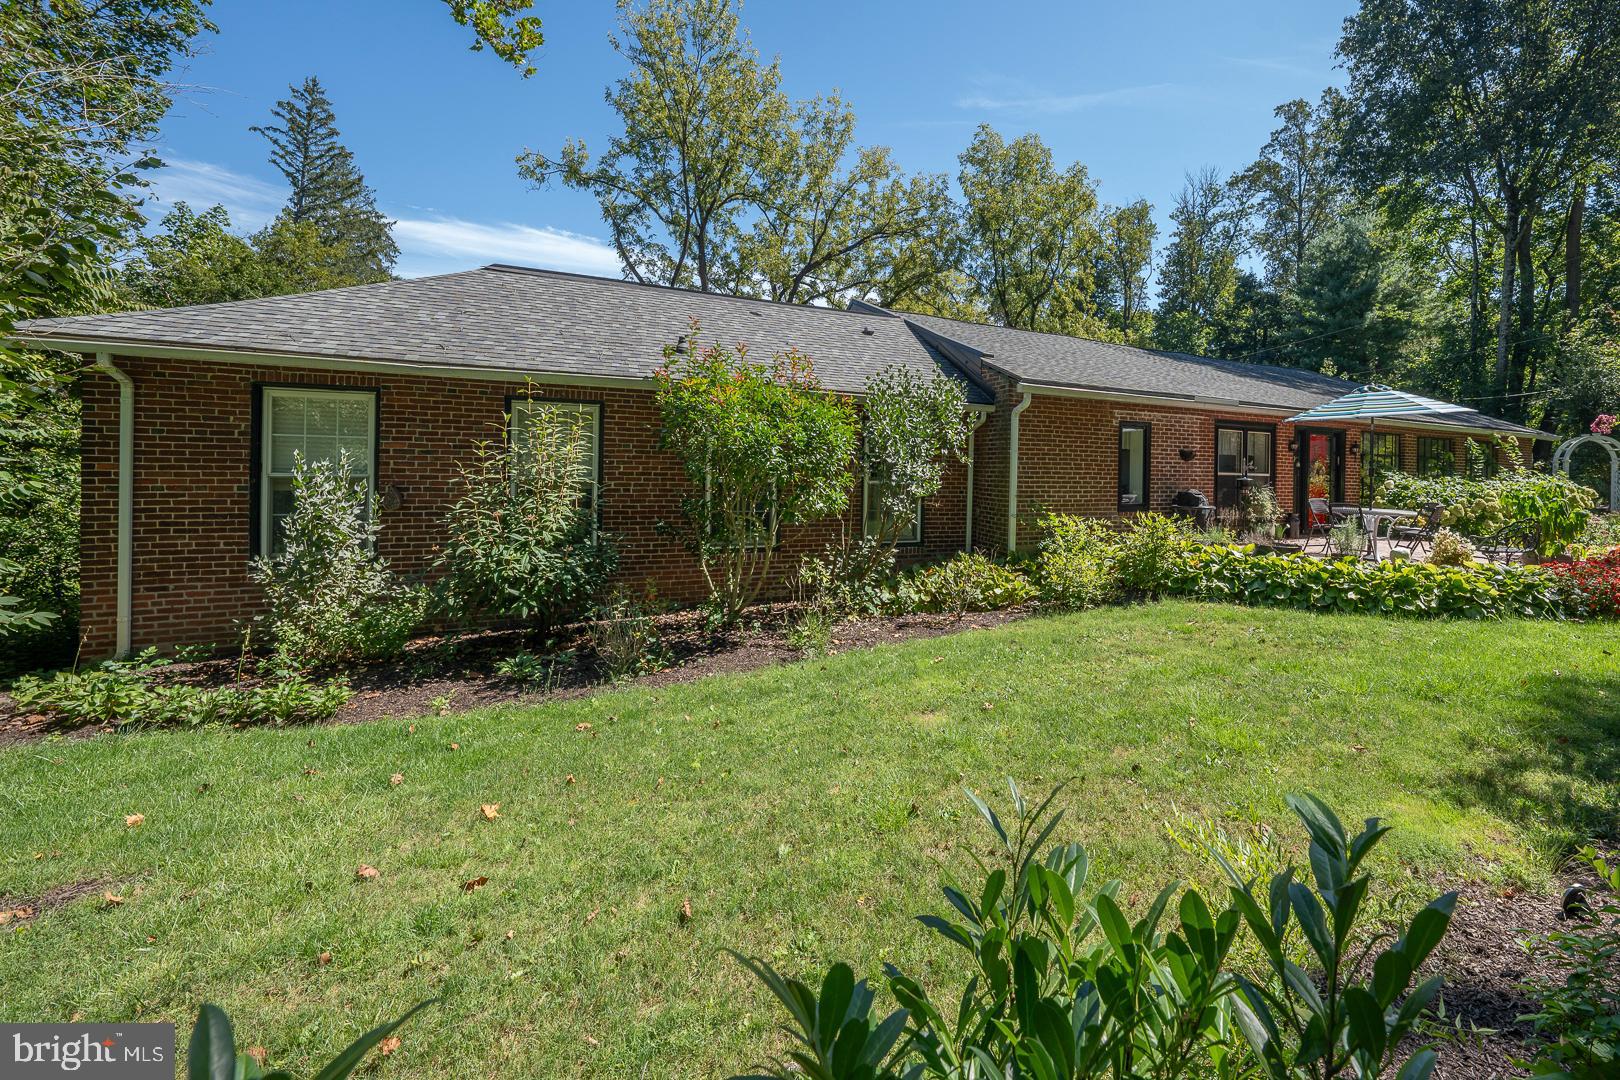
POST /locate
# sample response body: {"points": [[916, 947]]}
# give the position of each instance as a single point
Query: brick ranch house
{"points": [[191, 416]]}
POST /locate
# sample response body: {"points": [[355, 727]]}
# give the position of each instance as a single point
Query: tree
{"points": [[503, 27], [1351, 312], [719, 182], [1293, 188], [1128, 233], [328, 190], [1198, 276], [1030, 230], [1508, 101], [763, 447], [911, 427]]}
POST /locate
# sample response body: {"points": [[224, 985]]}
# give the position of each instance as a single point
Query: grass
{"points": [[803, 811]]}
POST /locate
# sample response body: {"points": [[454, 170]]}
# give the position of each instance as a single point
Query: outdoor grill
{"points": [[1192, 504]]}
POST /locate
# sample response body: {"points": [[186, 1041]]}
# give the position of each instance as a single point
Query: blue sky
{"points": [[1141, 93]]}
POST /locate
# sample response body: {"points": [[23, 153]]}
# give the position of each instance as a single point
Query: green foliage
{"points": [[1472, 507], [763, 447], [625, 638], [964, 583], [329, 597], [856, 578], [1293, 187], [211, 1053], [328, 190], [1558, 507], [520, 537], [1147, 556], [1125, 262], [537, 671], [1348, 1017], [124, 693], [1262, 513], [1487, 591], [1076, 566], [1064, 984], [911, 427], [504, 27], [1580, 1016], [1198, 273], [811, 633], [1450, 549]]}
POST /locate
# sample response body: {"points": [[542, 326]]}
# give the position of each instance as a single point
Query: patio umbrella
{"points": [[1371, 402]]}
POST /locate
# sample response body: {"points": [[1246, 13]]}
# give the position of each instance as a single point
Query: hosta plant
{"points": [[212, 1055]]}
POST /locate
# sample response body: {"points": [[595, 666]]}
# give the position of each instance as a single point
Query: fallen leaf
{"points": [[592, 1041], [134, 821], [325, 958], [411, 730], [16, 913], [1358, 748], [110, 900], [592, 916], [510, 934], [475, 884], [257, 1053], [583, 727], [389, 1045], [686, 910], [367, 873], [569, 779], [490, 810], [312, 772], [455, 746], [397, 779]]}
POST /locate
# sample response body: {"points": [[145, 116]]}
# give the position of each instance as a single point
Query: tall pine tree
{"points": [[328, 190]]}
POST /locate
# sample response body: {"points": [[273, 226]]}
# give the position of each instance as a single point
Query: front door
{"points": [[1243, 455], [1319, 469]]}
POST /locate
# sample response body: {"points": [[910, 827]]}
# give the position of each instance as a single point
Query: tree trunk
{"points": [[1504, 306], [1524, 343], [1572, 254]]}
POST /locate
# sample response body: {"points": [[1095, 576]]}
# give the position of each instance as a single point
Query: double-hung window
{"points": [[1133, 466], [879, 524], [1383, 458], [314, 425], [581, 417]]}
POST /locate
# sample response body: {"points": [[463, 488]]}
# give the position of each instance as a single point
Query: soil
{"points": [[17, 911]]}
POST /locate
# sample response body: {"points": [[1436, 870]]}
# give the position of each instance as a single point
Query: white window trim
{"points": [[267, 472], [866, 506], [525, 406]]}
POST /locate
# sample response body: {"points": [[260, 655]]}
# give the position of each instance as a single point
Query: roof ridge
{"points": [[512, 268]]}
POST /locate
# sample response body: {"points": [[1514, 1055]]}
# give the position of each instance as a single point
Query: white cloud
{"points": [[251, 202], [1015, 96], [436, 245]]}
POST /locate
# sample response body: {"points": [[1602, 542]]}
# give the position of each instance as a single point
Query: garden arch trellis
{"points": [[1566, 450]]}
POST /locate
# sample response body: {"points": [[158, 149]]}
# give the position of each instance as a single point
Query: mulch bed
{"points": [[445, 674]]}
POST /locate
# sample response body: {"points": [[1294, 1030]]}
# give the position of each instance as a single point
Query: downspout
{"points": [[973, 432], [126, 497], [1012, 474]]}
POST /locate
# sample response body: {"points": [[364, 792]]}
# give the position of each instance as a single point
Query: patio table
{"points": [[1371, 517]]}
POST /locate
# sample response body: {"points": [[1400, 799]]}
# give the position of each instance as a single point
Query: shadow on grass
{"points": [[1560, 775]]}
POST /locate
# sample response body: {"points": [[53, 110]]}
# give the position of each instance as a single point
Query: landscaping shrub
{"points": [[968, 582], [1064, 985], [853, 579], [1602, 532], [1557, 506], [1580, 1015], [1347, 537], [329, 597], [1262, 513], [520, 538], [625, 638], [1149, 552], [1076, 566], [1451, 549], [536, 671], [1592, 585], [1404, 588], [211, 1053], [811, 633], [124, 694], [763, 447], [910, 428]]}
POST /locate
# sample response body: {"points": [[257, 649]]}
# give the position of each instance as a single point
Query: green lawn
{"points": [[802, 810]]}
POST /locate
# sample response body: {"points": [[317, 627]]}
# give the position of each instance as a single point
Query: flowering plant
{"points": [[1604, 424]]}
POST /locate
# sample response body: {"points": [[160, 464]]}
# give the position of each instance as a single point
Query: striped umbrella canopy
{"points": [[1373, 401]]}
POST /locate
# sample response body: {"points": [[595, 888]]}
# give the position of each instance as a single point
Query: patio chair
{"points": [[1513, 542], [1319, 522], [1410, 536]]}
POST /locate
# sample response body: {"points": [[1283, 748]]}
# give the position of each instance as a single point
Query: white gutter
{"points": [[1012, 472], [126, 498], [973, 432]]}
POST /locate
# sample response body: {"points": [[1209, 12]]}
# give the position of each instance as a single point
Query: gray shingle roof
{"points": [[1083, 364], [506, 319]]}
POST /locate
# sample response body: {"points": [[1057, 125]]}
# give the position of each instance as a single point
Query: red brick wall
{"points": [[193, 483]]}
